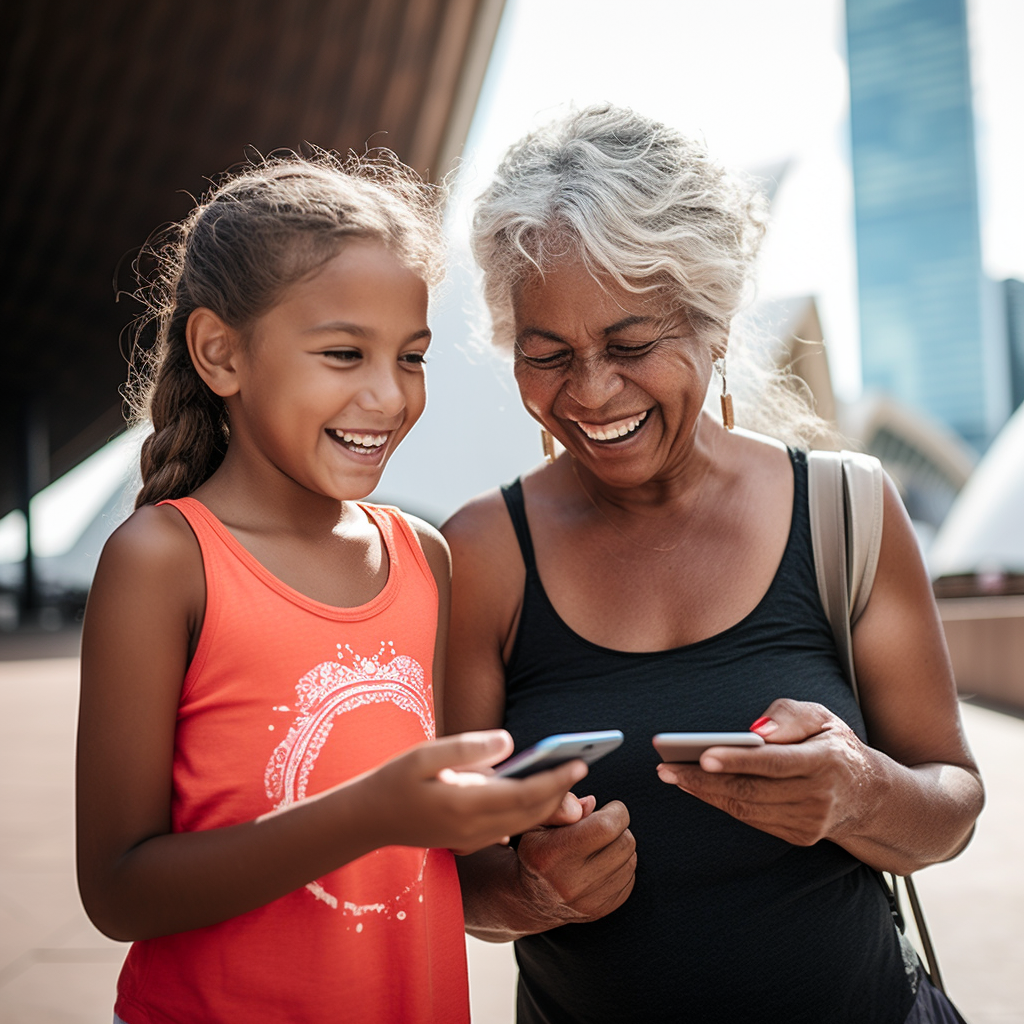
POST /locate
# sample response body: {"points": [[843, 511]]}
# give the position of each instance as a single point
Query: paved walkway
{"points": [[55, 968]]}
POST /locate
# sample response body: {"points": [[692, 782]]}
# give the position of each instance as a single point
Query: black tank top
{"points": [[725, 923]]}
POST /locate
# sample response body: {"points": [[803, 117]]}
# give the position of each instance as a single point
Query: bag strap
{"points": [[844, 495], [844, 491]]}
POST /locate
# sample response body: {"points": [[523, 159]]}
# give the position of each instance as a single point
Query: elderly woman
{"points": [[658, 575]]}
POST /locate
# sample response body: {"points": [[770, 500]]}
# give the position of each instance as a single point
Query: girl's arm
{"points": [[578, 872], [911, 797], [137, 879]]}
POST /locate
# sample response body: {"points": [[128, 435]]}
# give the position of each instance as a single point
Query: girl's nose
{"points": [[383, 393]]}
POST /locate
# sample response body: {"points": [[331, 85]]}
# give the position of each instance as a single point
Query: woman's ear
{"points": [[213, 346]]}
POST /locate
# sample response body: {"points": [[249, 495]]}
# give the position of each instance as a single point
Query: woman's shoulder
{"points": [[479, 521], [761, 446], [483, 541], [759, 460]]}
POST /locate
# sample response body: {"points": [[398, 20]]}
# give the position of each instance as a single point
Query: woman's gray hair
{"points": [[639, 203]]}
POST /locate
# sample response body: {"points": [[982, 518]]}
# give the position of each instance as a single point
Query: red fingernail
{"points": [[763, 720]]}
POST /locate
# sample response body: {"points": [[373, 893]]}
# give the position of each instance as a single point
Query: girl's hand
{"points": [[813, 779], [442, 794]]}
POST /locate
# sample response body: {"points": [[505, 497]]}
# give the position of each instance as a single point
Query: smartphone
{"points": [[688, 746], [556, 750]]}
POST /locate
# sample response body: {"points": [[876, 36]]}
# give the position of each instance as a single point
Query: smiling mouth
{"points": [[357, 442], [611, 433]]}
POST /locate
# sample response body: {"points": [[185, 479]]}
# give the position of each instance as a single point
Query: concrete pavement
{"points": [[55, 968]]}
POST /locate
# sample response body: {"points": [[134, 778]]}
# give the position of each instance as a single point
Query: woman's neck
{"points": [[677, 489]]}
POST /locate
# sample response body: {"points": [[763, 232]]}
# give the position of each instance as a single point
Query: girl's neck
{"points": [[261, 499]]}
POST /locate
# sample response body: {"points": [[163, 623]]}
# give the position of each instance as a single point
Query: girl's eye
{"points": [[415, 358], [343, 355]]}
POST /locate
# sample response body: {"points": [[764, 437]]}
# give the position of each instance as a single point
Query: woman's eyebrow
{"points": [[630, 321], [538, 332]]}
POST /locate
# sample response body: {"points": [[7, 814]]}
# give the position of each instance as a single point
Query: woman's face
{"points": [[617, 377]]}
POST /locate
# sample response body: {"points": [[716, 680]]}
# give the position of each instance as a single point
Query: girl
{"points": [[262, 653]]}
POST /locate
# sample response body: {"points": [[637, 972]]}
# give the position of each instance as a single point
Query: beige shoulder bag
{"points": [[844, 492]]}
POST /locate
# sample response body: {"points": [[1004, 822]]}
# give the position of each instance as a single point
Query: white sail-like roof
{"points": [[984, 531]]}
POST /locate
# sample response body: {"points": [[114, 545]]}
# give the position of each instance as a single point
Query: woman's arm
{"points": [[929, 791], [139, 880], [439, 558], [578, 871], [911, 797]]}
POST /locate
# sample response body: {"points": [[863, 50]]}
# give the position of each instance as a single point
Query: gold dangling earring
{"points": [[547, 443], [727, 416]]}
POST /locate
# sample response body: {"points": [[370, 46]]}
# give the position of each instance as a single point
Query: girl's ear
{"points": [[213, 346]]}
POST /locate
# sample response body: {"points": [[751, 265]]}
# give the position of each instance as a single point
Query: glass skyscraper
{"points": [[928, 326]]}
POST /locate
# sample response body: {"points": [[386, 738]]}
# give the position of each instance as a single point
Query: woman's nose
{"points": [[592, 382]]}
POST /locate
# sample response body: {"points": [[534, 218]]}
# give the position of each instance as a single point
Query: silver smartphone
{"points": [[688, 746], [555, 750]]}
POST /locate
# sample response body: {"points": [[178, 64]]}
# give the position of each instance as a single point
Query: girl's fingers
{"points": [[467, 750]]}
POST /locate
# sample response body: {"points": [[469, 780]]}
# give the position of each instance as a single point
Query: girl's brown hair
{"points": [[255, 233]]}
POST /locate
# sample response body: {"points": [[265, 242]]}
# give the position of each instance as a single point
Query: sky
{"points": [[764, 83]]}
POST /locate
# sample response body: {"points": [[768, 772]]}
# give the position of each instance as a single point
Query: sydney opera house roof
{"points": [[984, 531]]}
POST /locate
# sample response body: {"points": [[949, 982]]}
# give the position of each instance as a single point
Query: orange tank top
{"points": [[286, 697]]}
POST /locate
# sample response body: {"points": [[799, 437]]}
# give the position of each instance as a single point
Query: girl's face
{"points": [[616, 377], [332, 376]]}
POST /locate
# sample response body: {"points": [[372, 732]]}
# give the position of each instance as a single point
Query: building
{"points": [[931, 325], [977, 562], [1013, 292], [115, 113], [927, 461]]}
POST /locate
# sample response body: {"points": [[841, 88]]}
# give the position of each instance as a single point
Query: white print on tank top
{"points": [[325, 692]]}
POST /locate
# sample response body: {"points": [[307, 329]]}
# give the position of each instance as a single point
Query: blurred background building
{"points": [[114, 114], [860, 114], [932, 333]]}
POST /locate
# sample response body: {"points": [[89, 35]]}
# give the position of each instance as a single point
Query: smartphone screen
{"points": [[555, 750]]}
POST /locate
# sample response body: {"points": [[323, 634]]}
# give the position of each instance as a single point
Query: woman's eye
{"points": [[553, 359], [632, 350]]}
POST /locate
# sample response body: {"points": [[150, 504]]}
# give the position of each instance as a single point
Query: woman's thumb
{"points": [[791, 721]]}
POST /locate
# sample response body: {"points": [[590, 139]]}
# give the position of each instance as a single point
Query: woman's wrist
{"points": [[911, 816], [501, 898]]}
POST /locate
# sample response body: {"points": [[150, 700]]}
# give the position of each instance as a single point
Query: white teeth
{"points": [[363, 440], [609, 431]]}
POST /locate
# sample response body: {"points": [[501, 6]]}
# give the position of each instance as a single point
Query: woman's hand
{"points": [[442, 794], [582, 870], [813, 779]]}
